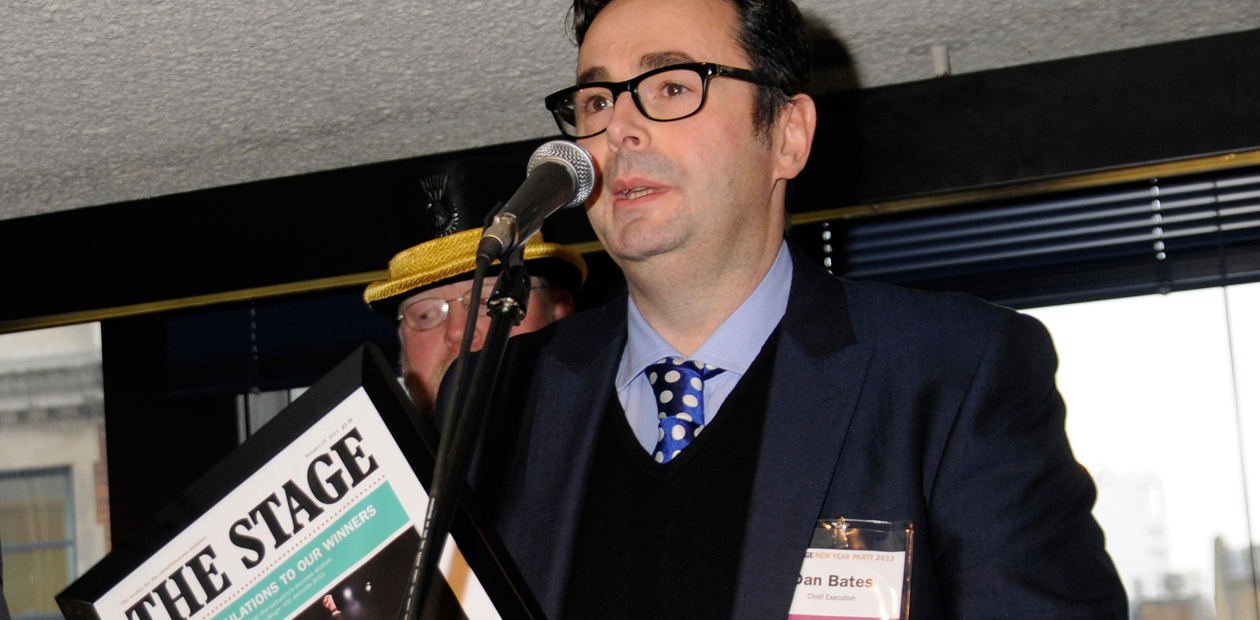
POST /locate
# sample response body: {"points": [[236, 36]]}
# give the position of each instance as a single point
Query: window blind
{"points": [[1136, 238]]}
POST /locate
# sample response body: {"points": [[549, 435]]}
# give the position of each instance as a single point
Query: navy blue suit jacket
{"points": [[886, 404]]}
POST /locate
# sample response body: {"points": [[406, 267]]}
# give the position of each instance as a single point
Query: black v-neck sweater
{"points": [[664, 541]]}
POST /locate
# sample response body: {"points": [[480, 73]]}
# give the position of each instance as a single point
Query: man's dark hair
{"points": [[773, 35]]}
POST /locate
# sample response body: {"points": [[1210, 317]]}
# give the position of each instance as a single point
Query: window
{"points": [[54, 491], [37, 538], [1174, 450]]}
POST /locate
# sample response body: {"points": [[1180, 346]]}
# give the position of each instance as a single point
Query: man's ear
{"points": [[795, 127], [561, 305]]}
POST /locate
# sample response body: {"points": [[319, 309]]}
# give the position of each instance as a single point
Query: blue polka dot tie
{"points": [[679, 388]]}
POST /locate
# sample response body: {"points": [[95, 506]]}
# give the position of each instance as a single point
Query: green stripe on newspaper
{"points": [[312, 569]]}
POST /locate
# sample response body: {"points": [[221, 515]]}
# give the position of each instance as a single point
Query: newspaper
{"points": [[325, 530]]}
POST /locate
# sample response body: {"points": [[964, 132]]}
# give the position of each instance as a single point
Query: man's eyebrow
{"points": [[656, 60], [593, 74], [653, 60]]}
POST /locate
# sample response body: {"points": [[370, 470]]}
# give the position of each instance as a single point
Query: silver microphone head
{"points": [[575, 159]]}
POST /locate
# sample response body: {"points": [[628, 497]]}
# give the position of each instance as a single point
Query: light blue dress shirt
{"points": [[732, 346]]}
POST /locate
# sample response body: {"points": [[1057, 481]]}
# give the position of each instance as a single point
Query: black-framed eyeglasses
{"points": [[669, 93]]}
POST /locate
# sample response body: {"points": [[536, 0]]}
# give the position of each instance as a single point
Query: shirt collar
{"points": [[733, 345]]}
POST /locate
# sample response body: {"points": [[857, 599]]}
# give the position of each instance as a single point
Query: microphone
{"points": [[560, 175]]}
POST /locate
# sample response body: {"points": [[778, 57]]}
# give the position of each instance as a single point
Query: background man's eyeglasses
{"points": [[666, 94], [427, 313]]}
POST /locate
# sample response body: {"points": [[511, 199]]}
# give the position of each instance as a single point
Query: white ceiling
{"points": [[109, 100]]}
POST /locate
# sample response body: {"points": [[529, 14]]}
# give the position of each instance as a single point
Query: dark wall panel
{"points": [[155, 445], [210, 241], [1048, 119]]}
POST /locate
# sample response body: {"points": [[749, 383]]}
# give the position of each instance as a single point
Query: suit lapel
{"points": [[818, 373], [571, 403]]}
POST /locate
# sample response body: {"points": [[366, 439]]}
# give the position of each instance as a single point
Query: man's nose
{"points": [[455, 323], [627, 123]]}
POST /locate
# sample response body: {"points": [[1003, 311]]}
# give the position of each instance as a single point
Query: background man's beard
{"points": [[418, 396]]}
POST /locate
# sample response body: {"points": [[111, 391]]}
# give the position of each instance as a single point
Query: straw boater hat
{"points": [[439, 210]]}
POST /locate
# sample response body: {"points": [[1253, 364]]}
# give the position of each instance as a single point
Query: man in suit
{"points": [[668, 455]]}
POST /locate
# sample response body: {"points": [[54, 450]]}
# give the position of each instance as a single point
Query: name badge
{"points": [[855, 570]]}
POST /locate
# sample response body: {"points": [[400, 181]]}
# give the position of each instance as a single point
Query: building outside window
{"points": [[37, 531], [1163, 409], [54, 493]]}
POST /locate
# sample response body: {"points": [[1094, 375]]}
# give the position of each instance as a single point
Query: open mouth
{"points": [[638, 192]]}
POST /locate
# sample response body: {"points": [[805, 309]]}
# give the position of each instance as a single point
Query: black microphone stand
{"points": [[507, 305]]}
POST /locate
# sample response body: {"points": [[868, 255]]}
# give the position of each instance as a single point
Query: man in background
{"points": [[429, 287]]}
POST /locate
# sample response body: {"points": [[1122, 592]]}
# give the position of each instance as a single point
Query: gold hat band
{"points": [[450, 256]]}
